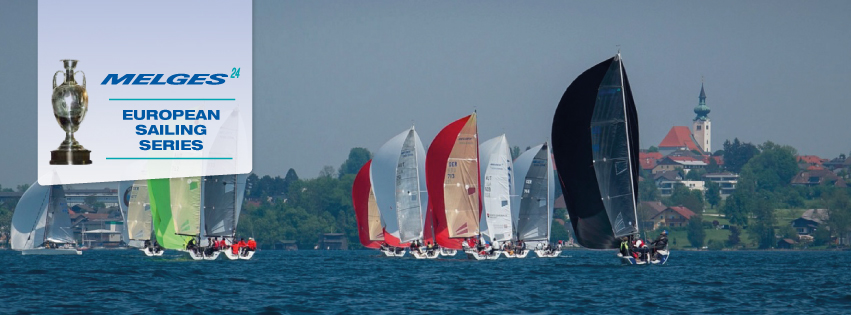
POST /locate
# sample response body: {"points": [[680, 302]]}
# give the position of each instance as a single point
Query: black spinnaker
{"points": [[595, 146]]}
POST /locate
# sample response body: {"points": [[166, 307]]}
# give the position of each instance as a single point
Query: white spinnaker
{"points": [[534, 212], [29, 218], [382, 174], [124, 191], [497, 172]]}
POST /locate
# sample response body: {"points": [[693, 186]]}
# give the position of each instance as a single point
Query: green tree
{"points": [[695, 174], [327, 171], [821, 236], [357, 158], [838, 206], [23, 187], [696, 234], [737, 154], [290, 178], [92, 202], [719, 152], [762, 229], [713, 166], [515, 152], [647, 191], [772, 169], [692, 199], [653, 149], [734, 238], [558, 232], [713, 193], [787, 231], [736, 207]]}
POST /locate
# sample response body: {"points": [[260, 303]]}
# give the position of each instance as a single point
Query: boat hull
{"points": [[202, 256], [148, 252], [473, 254], [448, 252], [520, 254], [394, 253], [425, 255], [629, 260], [547, 254], [230, 255], [51, 251]]}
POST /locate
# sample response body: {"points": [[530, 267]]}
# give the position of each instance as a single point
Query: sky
{"points": [[332, 75]]}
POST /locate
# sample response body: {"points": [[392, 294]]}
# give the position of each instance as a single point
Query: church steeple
{"points": [[701, 109]]}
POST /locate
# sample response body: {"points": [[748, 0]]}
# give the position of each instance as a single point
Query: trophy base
{"points": [[64, 157]]}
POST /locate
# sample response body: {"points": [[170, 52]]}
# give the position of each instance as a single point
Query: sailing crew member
{"points": [[641, 248], [252, 245], [191, 245], [660, 243], [624, 246], [242, 246], [235, 248]]}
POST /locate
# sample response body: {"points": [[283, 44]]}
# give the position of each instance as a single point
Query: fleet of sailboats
{"points": [[488, 206]]}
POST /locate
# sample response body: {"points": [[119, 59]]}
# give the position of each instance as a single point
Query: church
{"points": [[697, 138]]}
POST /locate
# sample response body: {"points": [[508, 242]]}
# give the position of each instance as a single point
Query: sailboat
{"points": [[223, 195], [397, 175], [595, 145], [535, 210], [170, 204], [41, 224], [452, 179], [497, 178], [138, 220]]}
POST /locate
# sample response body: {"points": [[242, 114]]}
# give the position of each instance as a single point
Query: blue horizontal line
{"points": [[169, 158], [172, 99]]}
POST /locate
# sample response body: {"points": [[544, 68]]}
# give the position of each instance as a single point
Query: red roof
{"points": [[814, 167], [811, 159], [683, 211], [678, 137], [648, 159], [718, 159]]}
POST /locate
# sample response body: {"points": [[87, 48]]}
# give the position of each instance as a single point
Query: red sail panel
{"points": [[456, 144], [394, 241], [361, 190]]}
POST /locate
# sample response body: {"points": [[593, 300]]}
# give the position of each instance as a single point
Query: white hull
{"points": [[201, 256], [545, 254], [473, 254], [521, 254], [425, 254], [392, 253], [150, 253], [448, 252], [662, 259], [230, 255], [51, 251]]}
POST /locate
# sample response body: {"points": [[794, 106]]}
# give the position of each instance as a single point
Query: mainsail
{"points": [[222, 203], [497, 188], [452, 179], [397, 173], [595, 144], [535, 209], [41, 215], [370, 232], [138, 218]]}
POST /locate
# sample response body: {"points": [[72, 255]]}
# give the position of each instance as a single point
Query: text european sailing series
{"points": [[170, 130]]}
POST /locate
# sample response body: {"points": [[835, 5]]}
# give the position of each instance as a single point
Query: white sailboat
{"points": [[397, 175], [223, 195], [41, 224], [535, 210], [497, 172], [138, 221]]}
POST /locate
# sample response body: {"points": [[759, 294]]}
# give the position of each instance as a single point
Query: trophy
{"points": [[70, 103]]}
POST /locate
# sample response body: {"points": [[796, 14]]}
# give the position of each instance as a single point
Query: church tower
{"points": [[701, 124]]}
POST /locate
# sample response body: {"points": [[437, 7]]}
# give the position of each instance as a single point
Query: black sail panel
{"points": [[571, 142], [610, 149]]}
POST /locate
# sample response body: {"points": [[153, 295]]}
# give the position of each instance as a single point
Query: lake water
{"points": [[348, 282]]}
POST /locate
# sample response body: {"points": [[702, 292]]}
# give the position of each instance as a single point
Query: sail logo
{"points": [[462, 229]]}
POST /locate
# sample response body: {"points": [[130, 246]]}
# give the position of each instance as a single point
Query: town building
{"points": [[109, 197], [807, 224], [818, 177], [672, 217], [333, 241], [726, 180], [697, 138]]}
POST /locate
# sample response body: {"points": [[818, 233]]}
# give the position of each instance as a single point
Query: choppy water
{"points": [[361, 282]]}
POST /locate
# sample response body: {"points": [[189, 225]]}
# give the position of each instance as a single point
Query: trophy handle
{"points": [[84, 77], [54, 78]]}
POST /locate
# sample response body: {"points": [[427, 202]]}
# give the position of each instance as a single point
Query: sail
{"points": [[452, 179], [595, 145], [397, 174], [535, 210], [28, 220], [186, 205], [159, 192], [497, 172], [139, 212], [366, 212], [219, 205], [240, 195], [58, 225]]}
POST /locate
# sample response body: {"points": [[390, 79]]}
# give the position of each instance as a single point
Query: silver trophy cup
{"points": [[70, 103]]}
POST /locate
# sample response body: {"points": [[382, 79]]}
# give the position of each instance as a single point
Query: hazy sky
{"points": [[332, 75]]}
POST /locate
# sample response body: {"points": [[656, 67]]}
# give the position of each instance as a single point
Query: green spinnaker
{"points": [[161, 213]]}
